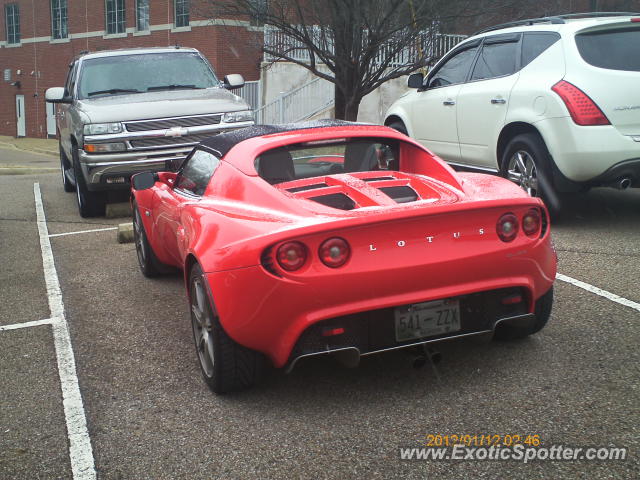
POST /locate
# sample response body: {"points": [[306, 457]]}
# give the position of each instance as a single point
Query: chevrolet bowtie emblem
{"points": [[176, 132]]}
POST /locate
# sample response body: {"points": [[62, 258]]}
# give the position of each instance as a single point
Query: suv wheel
{"points": [[399, 126], [64, 167], [526, 162], [90, 204]]}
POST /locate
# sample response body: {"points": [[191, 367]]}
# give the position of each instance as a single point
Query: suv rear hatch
{"points": [[612, 49]]}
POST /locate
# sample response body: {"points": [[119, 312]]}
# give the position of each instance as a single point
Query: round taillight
{"points": [[291, 255], [334, 252], [531, 222], [507, 227]]}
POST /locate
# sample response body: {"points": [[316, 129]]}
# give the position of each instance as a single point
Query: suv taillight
{"points": [[583, 110]]}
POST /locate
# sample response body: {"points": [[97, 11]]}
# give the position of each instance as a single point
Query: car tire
{"points": [[399, 126], [64, 166], [542, 312], [90, 204], [226, 366], [527, 162], [149, 264]]}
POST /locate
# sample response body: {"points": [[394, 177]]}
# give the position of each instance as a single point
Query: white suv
{"points": [[552, 104]]}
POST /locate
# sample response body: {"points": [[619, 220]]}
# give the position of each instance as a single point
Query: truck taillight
{"points": [[582, 109]]}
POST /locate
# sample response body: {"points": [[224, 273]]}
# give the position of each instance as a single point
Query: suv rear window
{"points": [[534, 43], [611, 49]]}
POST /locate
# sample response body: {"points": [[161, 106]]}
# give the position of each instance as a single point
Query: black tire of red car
{"points": [[527, 162], [149, 264], [90, 204], [542, 312], [226, 366], [64, 166], [399, 126]]}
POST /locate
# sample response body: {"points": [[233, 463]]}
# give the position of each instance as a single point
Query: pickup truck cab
{"points": [[126, 111]]}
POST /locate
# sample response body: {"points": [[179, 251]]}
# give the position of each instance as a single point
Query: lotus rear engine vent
{"points": [[335, 200], [377, 179], [304, 188], [401, 194]]}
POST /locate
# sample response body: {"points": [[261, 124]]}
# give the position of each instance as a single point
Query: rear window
{"points": [[317, 159], [534, 43], [611, 49], [496, 60]]}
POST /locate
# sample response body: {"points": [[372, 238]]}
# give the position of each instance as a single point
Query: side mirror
{"points": [[144, 180], [233, 81], [168, 178], [56, 95], [415, 80]]}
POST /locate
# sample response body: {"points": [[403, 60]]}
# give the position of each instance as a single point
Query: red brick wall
{"points": [[44, 64]]}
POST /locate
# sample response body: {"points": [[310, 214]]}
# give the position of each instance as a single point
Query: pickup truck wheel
{"points": [[64, 168], [149, 264], [542, 312], [90, 204], [226, 366]]}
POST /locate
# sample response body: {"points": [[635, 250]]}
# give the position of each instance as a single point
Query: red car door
{"points": [[167, 216], [190, 185]]}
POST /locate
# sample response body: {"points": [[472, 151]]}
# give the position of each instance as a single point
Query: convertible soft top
{"points": [[222, 143]]}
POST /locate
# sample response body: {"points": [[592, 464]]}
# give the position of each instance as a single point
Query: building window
{"points": [[115, 16], [59, 19], [182, 13], [12, 16], [142, 15]]}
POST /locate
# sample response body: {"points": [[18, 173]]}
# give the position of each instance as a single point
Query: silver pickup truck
{"points": [[127, 111]]}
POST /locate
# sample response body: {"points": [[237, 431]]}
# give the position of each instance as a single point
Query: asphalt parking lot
{"points": [[149, 415]]}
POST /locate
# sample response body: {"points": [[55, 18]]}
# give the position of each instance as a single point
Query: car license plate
{"points": [[427, 319]]}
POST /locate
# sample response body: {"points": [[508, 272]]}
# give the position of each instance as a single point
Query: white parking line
{"points": [[80, 451], [598, 291], [35, 323], [82, 231]]}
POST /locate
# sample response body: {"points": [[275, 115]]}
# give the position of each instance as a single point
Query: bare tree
{"points": [[355, 44]]}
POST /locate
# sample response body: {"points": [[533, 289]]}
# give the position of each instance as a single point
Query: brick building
{"points": [[38, 38]]}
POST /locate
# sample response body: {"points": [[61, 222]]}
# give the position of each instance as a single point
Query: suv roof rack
{"points": [[556, 19]]}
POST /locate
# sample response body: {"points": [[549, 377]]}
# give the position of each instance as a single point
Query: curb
{"points": [[27, 170], [125, 233], [42, 151]]}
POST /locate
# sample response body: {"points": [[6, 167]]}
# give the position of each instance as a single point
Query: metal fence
{"points": [[431, 45], [251, 93], [299, 104]]}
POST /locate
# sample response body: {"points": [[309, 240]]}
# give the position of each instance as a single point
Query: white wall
{"points": [[282, 77]]}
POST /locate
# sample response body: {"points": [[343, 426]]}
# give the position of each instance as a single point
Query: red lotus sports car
{"points": [[339, 238]]}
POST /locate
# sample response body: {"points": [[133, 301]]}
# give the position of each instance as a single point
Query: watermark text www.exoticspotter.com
{"points": [[520, 453]]}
